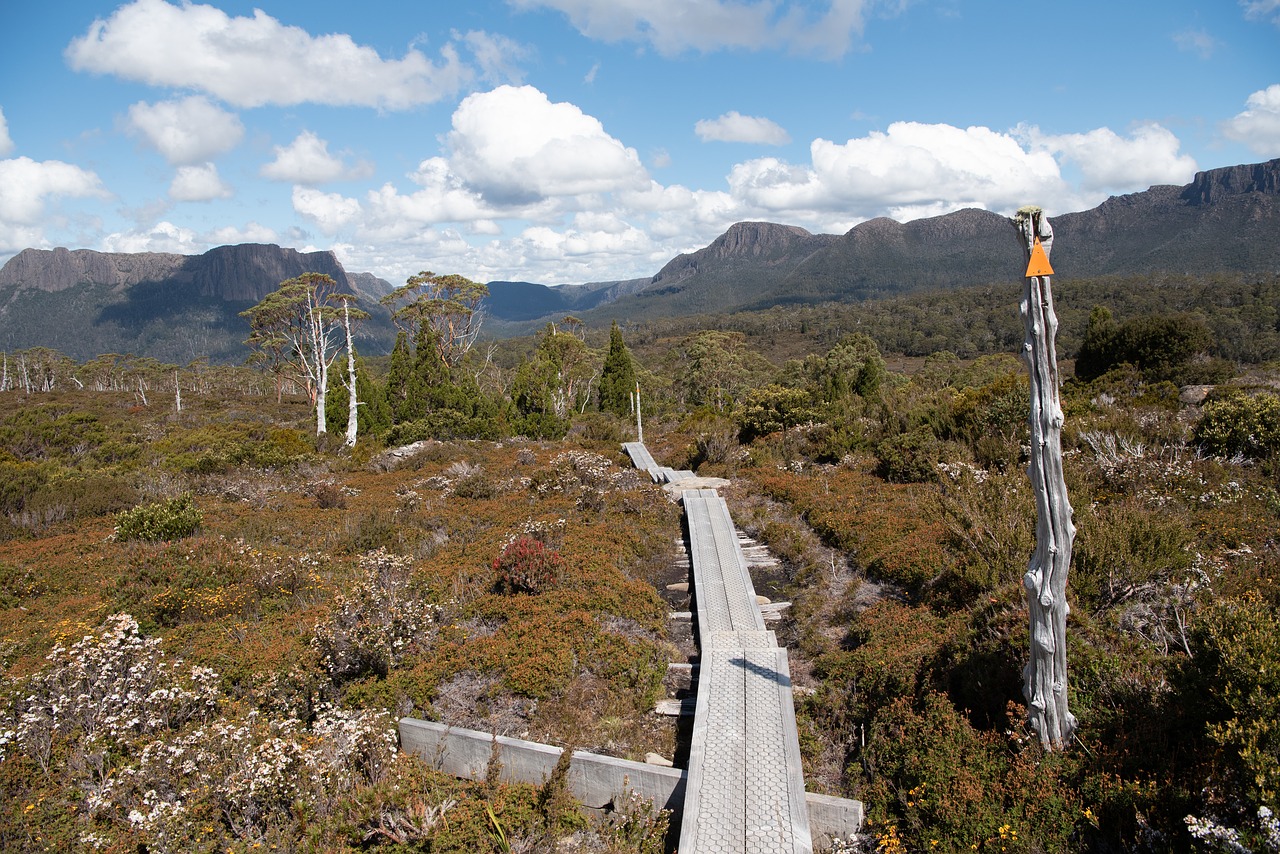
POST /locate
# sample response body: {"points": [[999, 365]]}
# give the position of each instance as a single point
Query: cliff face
{"points": [[1213, 186], [53, 270], [248, 272], [171, 307], [244, 273], [1224, 220]]}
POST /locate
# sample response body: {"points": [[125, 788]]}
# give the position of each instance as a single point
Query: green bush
{"points": [[1249, 426], [939, 779], [445, 424], [1163, 346], [542, 425], [1234, 676], [771, 409], [1123, 546], [167, 520], [910, 457]]}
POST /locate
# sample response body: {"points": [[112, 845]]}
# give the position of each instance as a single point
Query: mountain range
{"points": [[178, 307]]}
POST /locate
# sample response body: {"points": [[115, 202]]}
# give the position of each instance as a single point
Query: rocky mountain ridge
{"points": [[171, 306], [1224, 220], [245, 272]]}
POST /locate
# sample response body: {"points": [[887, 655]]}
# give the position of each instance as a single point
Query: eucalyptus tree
{"points": [[555, 382], [296, 329], [446, 306], [716, 366]]}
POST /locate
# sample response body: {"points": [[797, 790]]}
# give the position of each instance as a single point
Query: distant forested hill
{"points": [[177, 308]]}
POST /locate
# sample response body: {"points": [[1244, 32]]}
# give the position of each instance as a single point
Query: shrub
{"points": [[380, 622], [910, 457], [476, 484], [1234, 674], [1126, 546], [108, 689], [771, 409], [166, 520], [939, 779], [330, 497], [542, 425], [1249, 426], [1163, 347], [373, 529], [601, 427], [526, 565], [446, 424]]}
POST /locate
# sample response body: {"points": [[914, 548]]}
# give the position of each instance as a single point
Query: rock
{"points": [[388, 460], [1194, 395], [658, 759], [679, 587], [1216, 184], [763, 600]]}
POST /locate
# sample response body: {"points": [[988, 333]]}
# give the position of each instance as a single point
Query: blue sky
{"points": [[592, 140]]}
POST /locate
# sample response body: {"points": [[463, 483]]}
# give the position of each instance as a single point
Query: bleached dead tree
{"points": [[353, 402], [296, 326], [1045, 582]]}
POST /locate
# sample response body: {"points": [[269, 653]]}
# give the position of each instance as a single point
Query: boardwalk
{"points": [[745, 789]]}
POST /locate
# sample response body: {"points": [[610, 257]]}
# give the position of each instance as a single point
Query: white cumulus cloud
{"points": [[161, 237], [254, 61], [1258, 126], [198, 184], [186, 131], [910, 170], [26, 185], [677, 26], [331, 212], [252, 232], [307, 160], [514, 146], [6, 143], [524, 188], [1111, 163], [735, 127]]}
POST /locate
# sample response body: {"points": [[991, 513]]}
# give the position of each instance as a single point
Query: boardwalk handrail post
{"points": [[1045, 582]]}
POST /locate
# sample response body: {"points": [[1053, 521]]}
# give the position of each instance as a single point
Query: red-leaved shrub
{"points": [[526, 565]]}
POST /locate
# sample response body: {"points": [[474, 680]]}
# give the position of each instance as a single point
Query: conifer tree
{"points": [[399, 379], [618, 377]]}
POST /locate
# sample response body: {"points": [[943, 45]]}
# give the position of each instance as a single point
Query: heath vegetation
{"points": [[211, 617]]}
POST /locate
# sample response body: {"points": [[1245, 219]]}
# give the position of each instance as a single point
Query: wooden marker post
{"points": [[1044, 680], [639, 423]]}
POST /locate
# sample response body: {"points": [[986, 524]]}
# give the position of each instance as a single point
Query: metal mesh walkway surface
{"points": [[745, 789]]}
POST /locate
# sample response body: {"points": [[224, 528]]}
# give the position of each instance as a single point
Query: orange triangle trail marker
{"points": [[1039, 263]]}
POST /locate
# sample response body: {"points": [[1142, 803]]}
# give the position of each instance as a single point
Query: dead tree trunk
{"points": [[1045, 676], [353, 403]]}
